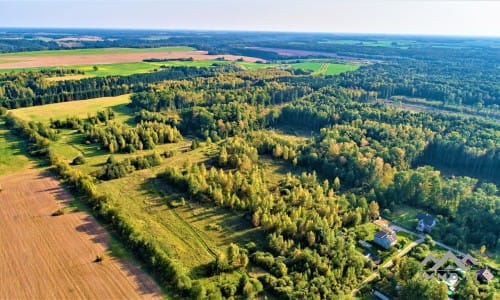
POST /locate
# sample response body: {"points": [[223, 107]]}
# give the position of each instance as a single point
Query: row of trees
{"points": [[31, 88], [117, 137]]}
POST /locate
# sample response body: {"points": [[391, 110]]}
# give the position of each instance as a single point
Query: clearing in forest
{"points": [[52, 257], [80, 108]]}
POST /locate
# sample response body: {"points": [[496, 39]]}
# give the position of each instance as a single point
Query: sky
{"points": [[430, 17]]}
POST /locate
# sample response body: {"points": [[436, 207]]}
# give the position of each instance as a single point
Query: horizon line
{"points": [[456, 35]]}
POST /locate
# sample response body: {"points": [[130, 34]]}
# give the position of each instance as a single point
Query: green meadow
{"points": [[321, 68], [79, 109]]}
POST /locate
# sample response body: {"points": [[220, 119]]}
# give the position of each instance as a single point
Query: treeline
{"points": [[442, 152], [450, 83], [114, 169], [116, 137], [31, 89]]}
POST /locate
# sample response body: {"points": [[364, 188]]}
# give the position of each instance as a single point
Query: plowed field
{"points": [[11, 62], [52, 257]]}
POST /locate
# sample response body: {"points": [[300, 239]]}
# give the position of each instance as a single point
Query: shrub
{"points": [[58, 212], [79, 160]]}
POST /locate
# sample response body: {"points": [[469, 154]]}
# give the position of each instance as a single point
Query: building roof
{"points": [[468, 260], [438, 265], [485, 273], [427, 219], [386, 235]]}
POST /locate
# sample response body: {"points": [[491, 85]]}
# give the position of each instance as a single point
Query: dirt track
{"points": [[46, 257], [13, 62]]}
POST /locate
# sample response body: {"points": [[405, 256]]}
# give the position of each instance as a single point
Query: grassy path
{"points": [[194, 231]]}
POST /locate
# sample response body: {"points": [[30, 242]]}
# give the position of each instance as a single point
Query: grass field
{"points": [[320, 68], [76, 108], [405, 216], [97, 51], [12, 158]]}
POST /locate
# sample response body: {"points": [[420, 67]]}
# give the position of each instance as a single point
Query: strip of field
{"points": [[124, 69], [321, 68], [70, 52], [47, 257], [79, 108], [59, 59]]}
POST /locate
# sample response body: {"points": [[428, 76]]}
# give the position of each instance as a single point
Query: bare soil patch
{"points": [[13, 62], [52, 257]]}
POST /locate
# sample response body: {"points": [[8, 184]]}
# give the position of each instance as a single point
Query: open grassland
{"points": [[12, 158], [72, 52], [191, 234], [49, 257], [76, 108], [320, 68]]}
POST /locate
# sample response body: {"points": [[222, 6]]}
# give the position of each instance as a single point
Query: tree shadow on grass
{"points": [[235, 225], [19, 146]]}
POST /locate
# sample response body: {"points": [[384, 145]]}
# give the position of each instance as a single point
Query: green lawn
{"points": [[97, 51], [405, 216], [76, 108], [12, 156]]}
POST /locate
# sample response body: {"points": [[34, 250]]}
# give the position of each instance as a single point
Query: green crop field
{"points": [[320, 68], [97, 51], [76, 108]]}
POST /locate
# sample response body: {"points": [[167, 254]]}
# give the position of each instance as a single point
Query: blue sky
{"points": [[441, 17]]}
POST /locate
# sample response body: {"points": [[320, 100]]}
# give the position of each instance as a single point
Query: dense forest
{"points": [[348, 159]]}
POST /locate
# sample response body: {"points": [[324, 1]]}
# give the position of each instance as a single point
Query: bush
{"points": [[58, 212], [79, 160]]}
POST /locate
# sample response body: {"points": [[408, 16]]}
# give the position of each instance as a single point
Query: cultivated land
{"points": [[57, 58], [130, 68], [95, 51], [79, 109], [48, 257]]}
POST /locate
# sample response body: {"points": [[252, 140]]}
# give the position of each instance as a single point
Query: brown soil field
{"points": [[302, 53], [49, 257], [13, 62]]}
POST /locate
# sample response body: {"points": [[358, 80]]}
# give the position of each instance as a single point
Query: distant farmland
{"points": [[91, 51], [82, 57], [124, 69]]}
